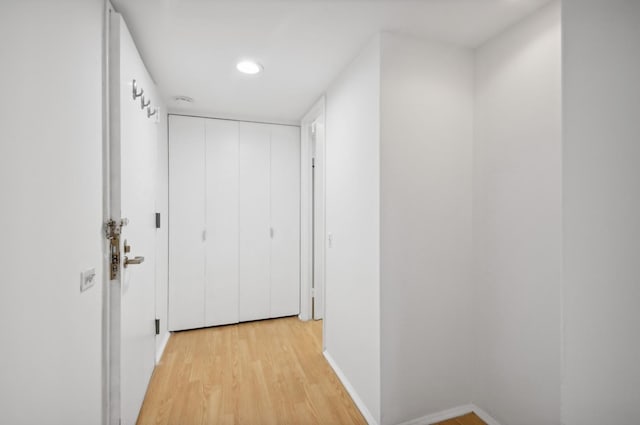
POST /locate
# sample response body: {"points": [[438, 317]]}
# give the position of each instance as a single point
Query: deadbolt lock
{"points": [[113, 230]]}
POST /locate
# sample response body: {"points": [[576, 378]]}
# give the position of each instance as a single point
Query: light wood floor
{"points": [[470, 419], [268, 372]]}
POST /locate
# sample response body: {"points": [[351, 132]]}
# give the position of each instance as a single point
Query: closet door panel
{"points": [[285, 220], [221, 291], [254, 249], [186, 222]]}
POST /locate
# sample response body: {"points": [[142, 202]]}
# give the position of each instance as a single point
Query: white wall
{"points": [[517, 222], [51, 191], [426, 195], [601, 212], [352, 320]]}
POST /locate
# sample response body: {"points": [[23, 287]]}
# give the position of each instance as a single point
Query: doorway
{"points": [[313, 214]]}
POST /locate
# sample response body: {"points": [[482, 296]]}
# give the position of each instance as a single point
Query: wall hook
{"points": [[150, 114], [144, 104], [136, 93]]}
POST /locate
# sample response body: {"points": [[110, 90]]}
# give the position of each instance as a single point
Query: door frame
{"points": [[308, 256], [106, 215], [111, 151]]}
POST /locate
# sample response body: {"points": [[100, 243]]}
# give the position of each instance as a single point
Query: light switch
{"points": [[87, 279]]}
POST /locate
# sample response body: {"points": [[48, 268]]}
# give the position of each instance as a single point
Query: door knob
{"points": [[136, 260]]}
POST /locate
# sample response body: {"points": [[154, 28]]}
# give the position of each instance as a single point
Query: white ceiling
{"points": [[191, 47]]}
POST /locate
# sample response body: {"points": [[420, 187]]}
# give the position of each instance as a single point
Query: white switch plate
{"points": [[87, 279]]}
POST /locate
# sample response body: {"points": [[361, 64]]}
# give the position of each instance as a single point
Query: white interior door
{"points": [[132, 179], [254, 240], [285, 220], [187, 233], [221, 292]]}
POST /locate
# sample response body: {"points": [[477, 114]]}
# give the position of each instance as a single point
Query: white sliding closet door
{"points": [[186, 222], [234, 221], [285, 221], [221, 291], [254, 204]]}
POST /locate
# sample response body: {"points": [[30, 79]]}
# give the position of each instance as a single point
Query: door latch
{"points": [[113, 230]]}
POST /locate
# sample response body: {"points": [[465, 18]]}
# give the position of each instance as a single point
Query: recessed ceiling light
{"points": [[249, 67]]}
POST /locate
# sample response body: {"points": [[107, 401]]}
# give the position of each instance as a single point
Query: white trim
{"points": [[226, 117], [306, 229], [352, 392], [306, 260], [484, 416], [441, 416], [319, 214], [452, 413], [106, 208], [113, 186], [163, 345]]}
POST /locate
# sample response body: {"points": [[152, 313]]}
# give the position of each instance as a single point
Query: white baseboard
{"points": [[441, 416], [452, 413], [424, 420], [163, 345], [484, 416], [352, 392], [304, 317]]}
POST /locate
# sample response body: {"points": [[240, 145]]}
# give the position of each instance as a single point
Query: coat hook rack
{"points": [[143, 103], [136, 93]]}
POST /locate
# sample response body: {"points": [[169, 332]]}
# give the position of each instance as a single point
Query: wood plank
{"points": [[468, 419], [266, 372]]}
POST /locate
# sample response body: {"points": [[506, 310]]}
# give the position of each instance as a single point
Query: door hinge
{"points": [[313, 292], [313, 163], [113, 230], [157, 326], [157, 220]]}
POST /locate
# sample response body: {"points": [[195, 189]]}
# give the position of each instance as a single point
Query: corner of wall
{"points": [[425, 152], [352, 310], [517, 215]]}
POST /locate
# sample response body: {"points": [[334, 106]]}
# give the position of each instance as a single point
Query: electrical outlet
{"points": [[87, 279]]}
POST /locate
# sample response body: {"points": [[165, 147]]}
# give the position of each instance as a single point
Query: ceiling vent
{"points": [[183, 100]]}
